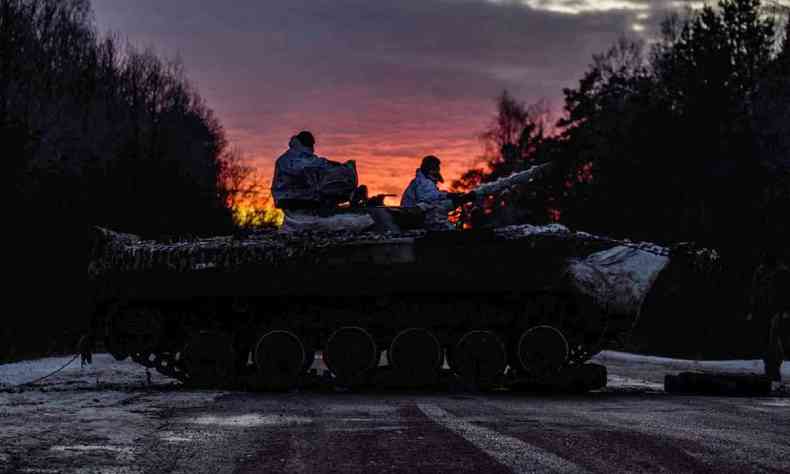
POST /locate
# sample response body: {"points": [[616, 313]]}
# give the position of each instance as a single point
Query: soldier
{"points": [[304, 181], [770, 305], [423, 191], [424, 188]]}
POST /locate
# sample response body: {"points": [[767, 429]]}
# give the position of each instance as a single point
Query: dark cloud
{"points": [[379, 81]]}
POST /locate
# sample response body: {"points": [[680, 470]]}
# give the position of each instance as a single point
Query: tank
{"points": [[490, 308]]}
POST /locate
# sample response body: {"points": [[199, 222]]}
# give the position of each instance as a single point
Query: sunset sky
{"points": [[383, 82]]}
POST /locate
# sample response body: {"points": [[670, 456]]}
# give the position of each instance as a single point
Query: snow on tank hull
{"points": [[524, 301]]}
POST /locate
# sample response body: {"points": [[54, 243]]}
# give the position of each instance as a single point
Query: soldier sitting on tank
{"points": [[309, 188], [423, 192], [424, 188], [297, 174]]}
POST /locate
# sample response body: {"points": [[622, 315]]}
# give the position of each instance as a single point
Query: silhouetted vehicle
{"points": [[498, 306]]}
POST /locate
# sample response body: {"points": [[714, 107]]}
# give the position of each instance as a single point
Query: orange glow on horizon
{"points": [[386, 138], [390, 175], [256, 213]]}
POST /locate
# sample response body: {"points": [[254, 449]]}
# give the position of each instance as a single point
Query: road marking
{"points": [[511, 452]]}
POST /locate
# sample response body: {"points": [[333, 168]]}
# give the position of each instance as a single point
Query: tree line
{"points": [[93, 130], [685, 140], [91, 126]]}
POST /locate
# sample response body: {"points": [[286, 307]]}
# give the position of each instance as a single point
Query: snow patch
{"points": [[204, 266], [527, 230], [105, 369], [738, 366], [252, 420], [171, 438], [627, 383], [635, 372], [776, 403], [81, 448], [514, 179]]}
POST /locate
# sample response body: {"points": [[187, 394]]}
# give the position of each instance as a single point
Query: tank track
{"points": [[485, 344]]}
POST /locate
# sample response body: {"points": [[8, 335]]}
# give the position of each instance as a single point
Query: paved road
{"points": [[75, 425], [601, 433]]}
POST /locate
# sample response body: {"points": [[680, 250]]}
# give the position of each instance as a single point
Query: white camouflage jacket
{"points": [[297, 174], [422, 190]]}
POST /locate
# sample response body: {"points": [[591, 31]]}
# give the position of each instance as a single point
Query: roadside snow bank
{"points": [[734, 366], [646, 374]]}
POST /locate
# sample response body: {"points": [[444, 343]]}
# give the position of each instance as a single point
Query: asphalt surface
{"points": [[125, 425]]}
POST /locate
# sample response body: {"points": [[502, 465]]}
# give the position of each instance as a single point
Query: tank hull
{"points": [[490, 286]]}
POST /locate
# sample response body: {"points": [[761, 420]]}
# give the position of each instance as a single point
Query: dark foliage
{"points": [[92, 131], [684, 141], [689, 143], [518, 138], [688, 140], [90, 126]]}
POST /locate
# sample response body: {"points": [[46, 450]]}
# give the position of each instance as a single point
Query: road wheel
{"points": [[351, 354], [417, 356], [279, 359], [542, 351], [480, 358], [579, 319]]}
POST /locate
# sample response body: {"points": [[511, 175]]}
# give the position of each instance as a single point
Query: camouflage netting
{"points": [[103, 246], [112, 251], [122, 252]]}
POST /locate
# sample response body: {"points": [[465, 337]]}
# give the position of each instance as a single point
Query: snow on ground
{"points": [[625, 370], [95, 415], [73, 429], [677, 365], [739, 366], [105, 369], [633, 371], [107, 415]]}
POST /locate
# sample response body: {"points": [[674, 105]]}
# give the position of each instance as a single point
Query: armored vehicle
{"points": [[514, 303]]}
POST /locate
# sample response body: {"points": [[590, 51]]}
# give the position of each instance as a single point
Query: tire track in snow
{"points": [[511, 452]]}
